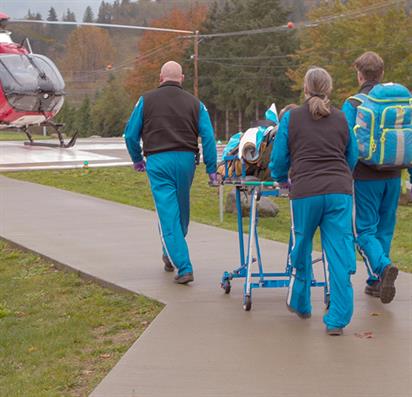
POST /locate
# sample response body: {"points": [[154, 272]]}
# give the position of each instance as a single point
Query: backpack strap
{"points": [[358, 99]]}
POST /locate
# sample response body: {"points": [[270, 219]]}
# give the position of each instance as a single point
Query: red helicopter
{"points": [[31, 89], [31, 86]]}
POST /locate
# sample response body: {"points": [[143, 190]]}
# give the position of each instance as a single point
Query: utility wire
{"points": [[350, 14], [141, 57], [245, 58], [234, 65]]}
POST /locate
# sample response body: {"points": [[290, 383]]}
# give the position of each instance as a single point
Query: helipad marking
{"points": [[61, 167], [14, 155]]}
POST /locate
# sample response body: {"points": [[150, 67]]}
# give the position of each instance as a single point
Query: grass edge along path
{"points": [[125, 186], [61, 334]]}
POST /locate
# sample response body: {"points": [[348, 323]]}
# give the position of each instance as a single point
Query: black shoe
{"points": [[387, 284], [374, 289], [303, 316], [168, 265], [334, 331], [184, 278]]}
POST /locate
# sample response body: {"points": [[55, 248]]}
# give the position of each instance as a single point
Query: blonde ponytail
{"points": [[318, 87]]}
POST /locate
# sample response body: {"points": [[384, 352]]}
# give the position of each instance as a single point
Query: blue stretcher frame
{"points": [[260, 279]]}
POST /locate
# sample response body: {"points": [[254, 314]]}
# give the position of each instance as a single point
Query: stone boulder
{"points": [[266, 207]]}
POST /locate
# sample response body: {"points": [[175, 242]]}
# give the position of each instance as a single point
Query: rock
{"points": [[266, 207], [405, 199]]}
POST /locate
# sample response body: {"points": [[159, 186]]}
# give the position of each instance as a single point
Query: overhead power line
{"points": [[245, 58], [350, 14], [141, 57], [235, 66]]}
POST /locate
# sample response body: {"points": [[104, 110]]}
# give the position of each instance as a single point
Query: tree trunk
{"points": [[227, 125], [215, 123]]}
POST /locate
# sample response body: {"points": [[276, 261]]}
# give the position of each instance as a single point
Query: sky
{"points": [[18, 8]]}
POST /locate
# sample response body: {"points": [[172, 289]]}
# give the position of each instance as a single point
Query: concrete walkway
{"points": [[203, 344]]}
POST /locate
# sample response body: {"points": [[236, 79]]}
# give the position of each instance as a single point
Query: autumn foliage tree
{"points": [[89, 49], [156, 48], [361, 27]]}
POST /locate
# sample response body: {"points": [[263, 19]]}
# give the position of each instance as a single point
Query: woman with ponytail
{"points": [[316, 150]]}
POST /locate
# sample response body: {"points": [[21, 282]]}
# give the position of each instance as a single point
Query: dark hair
{"points": [[286, 109], [370, 65]]}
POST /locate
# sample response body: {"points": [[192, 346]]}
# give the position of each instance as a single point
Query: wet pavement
{"points": [[98, 152], [203, 344]]}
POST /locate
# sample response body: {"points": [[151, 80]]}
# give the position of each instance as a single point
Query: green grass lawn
{"points": [[128, 187], [60, 335], [19, 136]]}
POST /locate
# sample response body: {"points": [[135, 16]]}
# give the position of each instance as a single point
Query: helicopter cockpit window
{"points": [[31, 82], [29, 73]]}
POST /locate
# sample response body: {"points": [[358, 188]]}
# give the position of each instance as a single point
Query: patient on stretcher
{"points": [[253, 147]]}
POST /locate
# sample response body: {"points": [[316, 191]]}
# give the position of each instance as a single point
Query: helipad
{"points": [[98, 152]]}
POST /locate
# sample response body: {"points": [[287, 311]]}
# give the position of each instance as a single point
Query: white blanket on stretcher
{"points": [[248, 146]]}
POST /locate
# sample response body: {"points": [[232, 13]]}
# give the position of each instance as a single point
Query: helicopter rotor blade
{"points": [[102, 25]]}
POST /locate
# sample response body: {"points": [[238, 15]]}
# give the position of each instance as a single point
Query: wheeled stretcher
{"points": [[250, 255]]}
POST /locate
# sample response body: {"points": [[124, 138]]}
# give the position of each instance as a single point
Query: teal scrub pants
{"points": [[171, 175], [376, 205], [333, 214]]}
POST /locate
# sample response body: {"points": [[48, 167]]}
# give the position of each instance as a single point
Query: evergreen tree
{"points": [[53, 31], [67, 116], [242, 73], [82, 123], [33, 15], [69, 16], [336, 45], [88, 15], [107, 119], [52, 16], [105, 13]]}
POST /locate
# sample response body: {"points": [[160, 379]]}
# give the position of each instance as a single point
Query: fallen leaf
{"points": [[32, 349], [375, 314], [105, 355], [144, 323], [364, 335], [21, 314]]}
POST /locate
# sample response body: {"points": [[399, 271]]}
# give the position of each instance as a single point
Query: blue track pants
{"points": [[333, 214], [376, 205], [171, 175]]}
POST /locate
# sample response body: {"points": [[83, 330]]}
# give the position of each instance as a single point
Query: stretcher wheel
{"points": [[227, 286], [248, 303]]}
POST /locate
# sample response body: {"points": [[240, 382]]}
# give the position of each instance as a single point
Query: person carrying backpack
{"points": [[380, 115], [315, 143]]}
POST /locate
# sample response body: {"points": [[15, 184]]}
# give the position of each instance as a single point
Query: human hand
{"points": [[140, 166], [284, 185], [284, 188]]}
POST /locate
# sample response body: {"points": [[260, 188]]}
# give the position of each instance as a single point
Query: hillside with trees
{"points": [[106, 70]]}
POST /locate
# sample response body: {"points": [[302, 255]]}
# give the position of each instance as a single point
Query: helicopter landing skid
{"points": [[62, 144]]}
